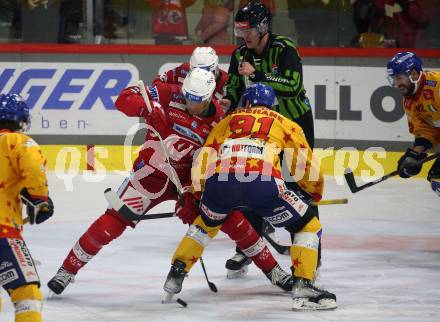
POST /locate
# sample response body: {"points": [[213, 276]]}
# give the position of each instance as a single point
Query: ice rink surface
{"points": [[381, 257]]}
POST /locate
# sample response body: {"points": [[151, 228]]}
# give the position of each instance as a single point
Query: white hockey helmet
{"points": [[199, 85], [206, 58]]}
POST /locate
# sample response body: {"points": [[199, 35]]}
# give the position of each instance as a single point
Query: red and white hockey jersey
{"points": [[186, 133]]}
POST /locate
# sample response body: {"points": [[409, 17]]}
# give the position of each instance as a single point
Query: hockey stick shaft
{"points": [[116, 203], [349, 176], [141, 86], [174, 176]]}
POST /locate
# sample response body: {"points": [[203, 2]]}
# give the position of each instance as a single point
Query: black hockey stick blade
{"points": [[117, 204], [349, 177], [211, 285], [281, 249]]}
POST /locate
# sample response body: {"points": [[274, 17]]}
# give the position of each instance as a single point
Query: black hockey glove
{"points": [[38, 210], [407, 165]]}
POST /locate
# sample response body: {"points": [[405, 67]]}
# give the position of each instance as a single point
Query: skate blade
{"points": [[167, 297], [230, 274], [303, 304]]}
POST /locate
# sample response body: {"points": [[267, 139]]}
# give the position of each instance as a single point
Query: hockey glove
{"points": [[38, 210], [407, 165], [158, 120], [187, 207]]}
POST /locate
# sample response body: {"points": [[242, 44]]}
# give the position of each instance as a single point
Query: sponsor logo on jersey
{"points": [[8, 276], [212, 214], [21, 252], [4, 265], [177, 105], [428, 94], [188, 133], [293, 200], [24, 259], [153, 93], [177, 115], [430, 82], [280, 218], [242, 148], [275, 70]]}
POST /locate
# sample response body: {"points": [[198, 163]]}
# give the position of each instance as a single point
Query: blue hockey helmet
{"points": [[258, 94], [14, 109], [403, 63]]}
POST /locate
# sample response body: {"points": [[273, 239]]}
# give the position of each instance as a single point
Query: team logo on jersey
{"points": [[194, 124]]}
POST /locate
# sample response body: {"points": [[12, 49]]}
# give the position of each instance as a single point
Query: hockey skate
{"points": [[280, 278], [60, 281], [173, 284], [237, 266], [307, 297]]}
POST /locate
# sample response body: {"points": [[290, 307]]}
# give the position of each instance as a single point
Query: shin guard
{"points": [[105, 229]]}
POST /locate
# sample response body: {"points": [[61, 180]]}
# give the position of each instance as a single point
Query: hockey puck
{"points": [[182, 302]]}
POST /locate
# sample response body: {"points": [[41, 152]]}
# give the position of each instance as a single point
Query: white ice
{"points": [[381, 257]]}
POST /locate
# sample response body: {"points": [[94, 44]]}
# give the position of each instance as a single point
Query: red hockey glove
{"points": [[187, 207], [158, 120]]}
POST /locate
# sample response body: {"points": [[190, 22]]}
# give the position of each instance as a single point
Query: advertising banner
{"points": [[71, 98], [351, 103]]}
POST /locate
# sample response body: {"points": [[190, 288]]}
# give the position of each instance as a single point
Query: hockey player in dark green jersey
{"points": [[273, 60]]}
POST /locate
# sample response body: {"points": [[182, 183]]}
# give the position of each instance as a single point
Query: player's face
{"points": [[403, 83], [250, 37], [196, 108]]}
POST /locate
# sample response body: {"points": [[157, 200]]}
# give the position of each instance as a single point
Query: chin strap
{"points": [[415, 82]]}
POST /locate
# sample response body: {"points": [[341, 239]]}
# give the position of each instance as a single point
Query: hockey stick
{"points": [[117, 204], [174, 179], [349, 176], [281, 249]]}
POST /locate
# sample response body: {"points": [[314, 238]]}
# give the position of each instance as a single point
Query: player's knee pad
{"points": [[192, 245], [107, 228], [27, 300]]}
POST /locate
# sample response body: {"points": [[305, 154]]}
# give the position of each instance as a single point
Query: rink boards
{"points": [[73, 159]]}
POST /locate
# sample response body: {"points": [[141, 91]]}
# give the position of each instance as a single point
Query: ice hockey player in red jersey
{"points": [[183, 117], [202, 57]]}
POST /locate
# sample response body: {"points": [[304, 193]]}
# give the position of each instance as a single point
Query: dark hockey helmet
{"points": [[13, 109], [252, 15]]}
